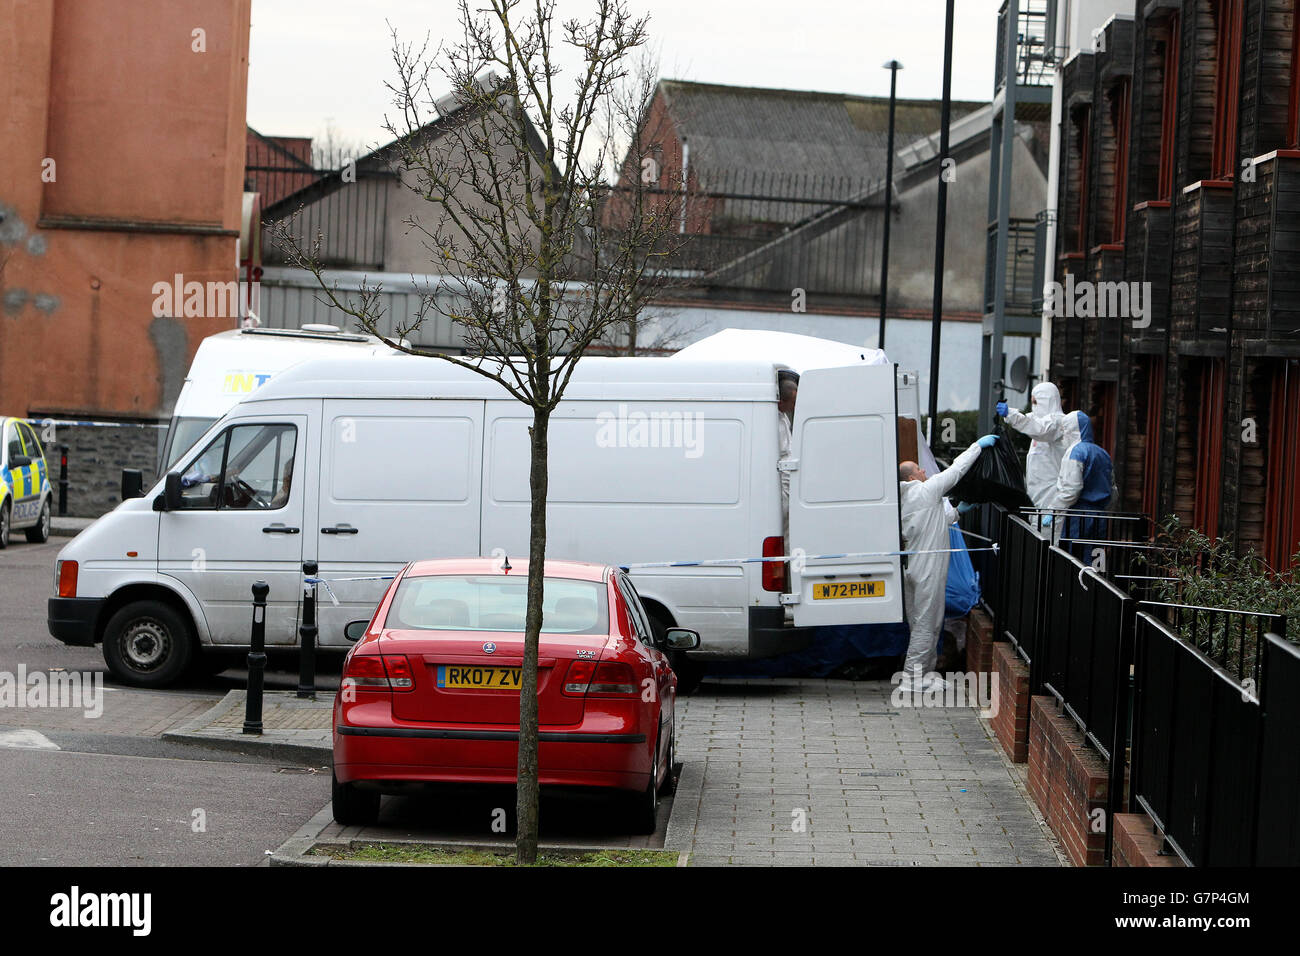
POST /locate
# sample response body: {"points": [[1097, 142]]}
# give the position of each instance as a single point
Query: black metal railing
{"points": [[1023, 272], [1035, 41], [1210, 764]]}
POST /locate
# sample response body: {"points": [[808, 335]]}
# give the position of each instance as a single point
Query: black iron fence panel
{"points": [[1202, 746], [1277, 837], [1017, 616]]}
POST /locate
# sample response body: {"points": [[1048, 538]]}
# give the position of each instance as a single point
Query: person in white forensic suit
{"points": [[1045, 424], [926, 515], [787, 393]]}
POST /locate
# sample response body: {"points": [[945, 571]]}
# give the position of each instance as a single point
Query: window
{"points": [[1227, 52], [1293, 105], [14, 442], [640, 620], [1155, 389], [1282, 499], [1169, 111], [1120, 96], [1083, 139], [1209, 446], [245, 467], [496, 602], [34, 448]]}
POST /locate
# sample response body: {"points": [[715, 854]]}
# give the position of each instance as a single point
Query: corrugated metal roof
{"points": [[769, 132]]}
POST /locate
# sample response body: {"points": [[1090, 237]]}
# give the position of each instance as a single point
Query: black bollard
{"points": [[63, 481], [256, 661], [307, 654]]}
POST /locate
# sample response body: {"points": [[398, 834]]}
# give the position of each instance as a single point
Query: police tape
{"points": [[782, 558], [77, 423]]}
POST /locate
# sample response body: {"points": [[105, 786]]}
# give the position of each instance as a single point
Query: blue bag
{"points": [[963, 590]]}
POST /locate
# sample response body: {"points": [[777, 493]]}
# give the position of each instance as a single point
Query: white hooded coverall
{"points": [[1046, 426], [926, 517]]}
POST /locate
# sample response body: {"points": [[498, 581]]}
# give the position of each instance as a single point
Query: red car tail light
{"points": [[773, 571], [613, 677], [67, 579], [400, 676], [366, 670], [578, 677]]}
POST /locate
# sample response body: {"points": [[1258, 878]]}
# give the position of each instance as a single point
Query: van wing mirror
{"points": [[171, 496], [681, 639], [132, 483], [355, 630]]}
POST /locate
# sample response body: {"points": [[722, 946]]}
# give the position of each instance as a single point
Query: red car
{"points": [[430, 691]]}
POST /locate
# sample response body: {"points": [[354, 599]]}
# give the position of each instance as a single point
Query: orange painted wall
{"points": [[147, 137]]}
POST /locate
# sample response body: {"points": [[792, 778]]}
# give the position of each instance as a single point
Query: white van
{"points": [[229, 366], [364, 466]]}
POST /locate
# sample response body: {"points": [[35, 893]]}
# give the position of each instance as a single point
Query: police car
{"points": [[25, 491]]}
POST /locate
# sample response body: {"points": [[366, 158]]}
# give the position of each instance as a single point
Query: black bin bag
{"points": [[997, 476]]}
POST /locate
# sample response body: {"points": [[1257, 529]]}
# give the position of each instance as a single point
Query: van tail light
{"points": [[389, 673], [606, 677], [67, 579], [773, 571]]}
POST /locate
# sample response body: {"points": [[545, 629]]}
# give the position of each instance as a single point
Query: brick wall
{"points": [[96, 457], [1011, 722], [979, 642], [1137, 843], [1068, 781]]}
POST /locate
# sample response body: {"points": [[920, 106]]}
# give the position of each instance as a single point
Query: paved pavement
{"points": [[821, 772]]}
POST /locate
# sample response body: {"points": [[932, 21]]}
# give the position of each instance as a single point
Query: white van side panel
{"points": [[399, 481], [632, 482]]}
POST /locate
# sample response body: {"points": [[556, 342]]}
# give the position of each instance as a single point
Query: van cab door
{"points": [[844, 498], [241, 520]]}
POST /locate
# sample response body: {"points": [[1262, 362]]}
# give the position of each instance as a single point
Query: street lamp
{"points": [[893, 66]]}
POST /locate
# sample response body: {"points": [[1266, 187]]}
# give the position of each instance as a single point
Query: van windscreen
{"points": [[490, 602]]}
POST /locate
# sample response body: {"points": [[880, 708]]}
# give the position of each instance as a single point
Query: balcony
{"points": [[1024, 277], [1266, 297], [1202, 235], [1035, 55], [1147, 259]]}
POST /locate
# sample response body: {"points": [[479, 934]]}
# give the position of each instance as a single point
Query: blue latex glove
{"points": [[988, 441], [1002, 409], [1046, 521], [964, 507]]}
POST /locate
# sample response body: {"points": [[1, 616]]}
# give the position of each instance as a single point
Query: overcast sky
{"points": [[324, 64]]}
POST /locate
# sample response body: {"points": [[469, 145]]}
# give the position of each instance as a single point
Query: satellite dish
{"points": [[1018, 377]]}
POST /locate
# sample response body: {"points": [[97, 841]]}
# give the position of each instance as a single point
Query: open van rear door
{"points": [[844, 497]]}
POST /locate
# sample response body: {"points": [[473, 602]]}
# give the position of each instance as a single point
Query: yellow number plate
{"points": [[460, 675], [836, 590]]}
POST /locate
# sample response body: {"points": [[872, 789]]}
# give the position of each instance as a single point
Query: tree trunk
{"points": [[526, 805]]}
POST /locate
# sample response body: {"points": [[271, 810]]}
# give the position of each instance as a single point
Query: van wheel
{"points": [[4, 527], [41, 532], [353, 807], [690, 674], [148, 644]]}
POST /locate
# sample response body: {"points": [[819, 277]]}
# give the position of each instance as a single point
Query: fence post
{"points": [[256, 661], [307, 653], [1119, 736]]}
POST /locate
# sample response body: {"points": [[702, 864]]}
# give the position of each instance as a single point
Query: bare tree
{"points": [[532, 266]]}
